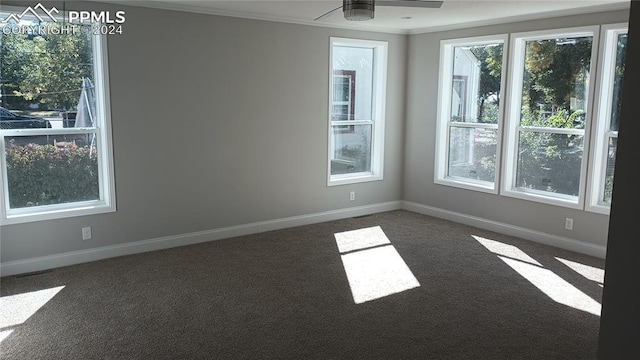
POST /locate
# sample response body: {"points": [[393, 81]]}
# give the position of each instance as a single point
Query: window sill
{"points": [[57, 212], [346, 179], [567, 201], [475, 185], [599, 209]]}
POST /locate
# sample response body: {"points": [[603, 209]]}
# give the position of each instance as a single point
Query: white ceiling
{"points": [[452, 14]]}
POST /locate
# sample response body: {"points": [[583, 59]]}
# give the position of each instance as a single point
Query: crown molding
{"points": [[173, 6]]}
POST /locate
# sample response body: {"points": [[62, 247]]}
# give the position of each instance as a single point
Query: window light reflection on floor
{"points": [[558, 289], [506, 250], [373, 267], [4, 334], [555, 287], [16, 309], [589, 272]]}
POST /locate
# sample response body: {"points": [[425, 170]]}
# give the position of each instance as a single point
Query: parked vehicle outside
{"points": [[11, 120]]}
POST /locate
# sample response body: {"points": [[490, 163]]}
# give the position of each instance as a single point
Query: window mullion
{"points": [[351, 122]]}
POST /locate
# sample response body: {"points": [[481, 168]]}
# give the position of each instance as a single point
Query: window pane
{"points": [[58, 172], [472, 153], [48, 75], [549, 162], [556, 82], [343, 103], [608, 177], [617, 81], [475, 93], [351, 151], [356, 64]]}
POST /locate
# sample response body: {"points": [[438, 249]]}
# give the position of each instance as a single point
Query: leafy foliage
{"points": [[556, 77], [490, 58], [45, 69], [46, 174], [552, 68]]}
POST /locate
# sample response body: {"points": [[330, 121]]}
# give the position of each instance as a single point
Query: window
{"points": [[607, 117], [55, 144], [357, 102], [470, 112], [549, 111], [555, 121]]}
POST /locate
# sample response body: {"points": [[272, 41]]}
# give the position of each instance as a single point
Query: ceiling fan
{"points": [[360, 10]]}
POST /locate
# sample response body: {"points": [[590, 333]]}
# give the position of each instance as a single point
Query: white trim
{"points": [[173, 6], [103, 106], [83, 256], [49, 131], [58, 211], [521, 18], [468, 184], [443, 123], [511, 230]]}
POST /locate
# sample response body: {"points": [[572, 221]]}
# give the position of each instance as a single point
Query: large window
{"points": [[556, 120], [469, 115], [356, 119], [55, 146], [605, 139], [548, 115]]}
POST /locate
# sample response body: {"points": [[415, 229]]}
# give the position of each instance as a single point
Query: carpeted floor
{"points": [[285, 295]]}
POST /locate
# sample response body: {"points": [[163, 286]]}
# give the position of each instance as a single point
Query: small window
{"points": [[356, 120], [470, 112]]}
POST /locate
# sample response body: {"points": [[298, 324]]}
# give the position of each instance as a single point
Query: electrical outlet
{"points": [[352, 196], [568, 223], [86, 233]]}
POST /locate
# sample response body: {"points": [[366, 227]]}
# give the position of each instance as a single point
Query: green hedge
{"points": [[46, 174]]}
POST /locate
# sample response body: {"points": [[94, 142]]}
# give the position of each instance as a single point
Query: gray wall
{"points": [[218, 122], [422, 88]]}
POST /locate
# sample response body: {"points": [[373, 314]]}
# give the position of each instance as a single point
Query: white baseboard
{"points": [[82, 256], [502, 228]]}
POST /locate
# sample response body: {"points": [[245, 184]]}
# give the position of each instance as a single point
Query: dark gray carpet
{"points": [[284, 295]]}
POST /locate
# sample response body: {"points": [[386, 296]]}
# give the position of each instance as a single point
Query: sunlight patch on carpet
{"points": [[374, 268], [589, 272], [16, 309], [361, 239], [4, 334], [558, 289], [506, 250], [555, 287]]}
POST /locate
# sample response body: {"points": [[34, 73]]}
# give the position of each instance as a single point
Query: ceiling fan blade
{"points": [[410, 3], [327, 14]]}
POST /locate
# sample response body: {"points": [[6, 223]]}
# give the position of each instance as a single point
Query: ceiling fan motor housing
{"points": [[358, 10]]}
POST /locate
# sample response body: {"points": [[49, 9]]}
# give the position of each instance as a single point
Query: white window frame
{"points": [[602, 118], [377, 120], [512, 117], [107, 201], [444, 124]]}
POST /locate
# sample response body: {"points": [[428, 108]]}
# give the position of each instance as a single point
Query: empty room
{"points": [[304, 179]]}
